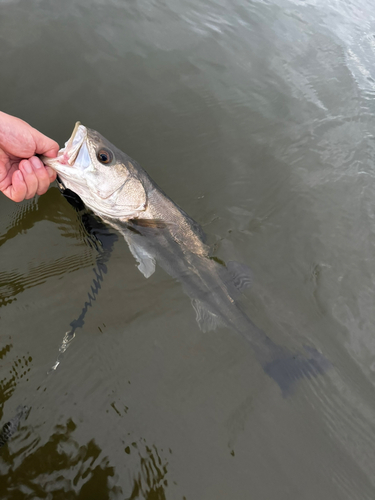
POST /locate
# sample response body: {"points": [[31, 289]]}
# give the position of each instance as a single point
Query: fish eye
{"points": [[104, 156]]}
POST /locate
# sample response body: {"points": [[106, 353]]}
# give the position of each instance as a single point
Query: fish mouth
{"points": [[68, 154], [73, 145]]}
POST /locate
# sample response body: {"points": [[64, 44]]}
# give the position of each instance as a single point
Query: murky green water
{"points": [[257, 118]]}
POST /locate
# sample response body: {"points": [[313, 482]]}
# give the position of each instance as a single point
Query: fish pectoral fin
{"points": [[206, 319], [242, 275], [146, 262]]}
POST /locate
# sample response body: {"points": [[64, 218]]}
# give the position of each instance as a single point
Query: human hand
{"points": [[23, 175]]}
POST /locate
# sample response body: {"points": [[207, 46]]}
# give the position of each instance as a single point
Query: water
{"points": [[257, 118]]}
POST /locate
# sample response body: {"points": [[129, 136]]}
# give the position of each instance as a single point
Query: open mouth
{"points": [[68, 154]]}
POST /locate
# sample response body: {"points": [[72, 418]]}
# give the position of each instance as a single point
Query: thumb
{"points": [[44, 145], [52, 152]]}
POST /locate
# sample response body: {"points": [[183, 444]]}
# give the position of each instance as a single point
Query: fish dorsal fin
{"points": [[242, 275], [146, 262], [206, 319]]}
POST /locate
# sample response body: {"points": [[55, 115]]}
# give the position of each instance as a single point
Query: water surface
{"points": [[257, 118]]}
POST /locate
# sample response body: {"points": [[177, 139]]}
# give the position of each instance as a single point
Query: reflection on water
{"points": [[48, 208], [13, 371], [62, 468], [102, 239], [14, 283], [59, 467], [151, 481]]}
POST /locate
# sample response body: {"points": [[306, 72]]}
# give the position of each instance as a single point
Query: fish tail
{"points": [[282, 365], [287, 367]]}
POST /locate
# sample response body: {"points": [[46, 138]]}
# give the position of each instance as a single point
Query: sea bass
{"points": [[119, 191]]}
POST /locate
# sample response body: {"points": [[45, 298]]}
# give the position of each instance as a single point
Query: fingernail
{"points": [[27, 167], [38, 164], [50, 171]]}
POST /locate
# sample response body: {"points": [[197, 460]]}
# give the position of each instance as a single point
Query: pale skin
{"points": [[22, 174]]}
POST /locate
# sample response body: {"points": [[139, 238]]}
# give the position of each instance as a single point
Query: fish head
{"points": [[105, 178]]}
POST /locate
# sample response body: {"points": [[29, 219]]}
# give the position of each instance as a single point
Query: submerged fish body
{"points": [[118, 190]]}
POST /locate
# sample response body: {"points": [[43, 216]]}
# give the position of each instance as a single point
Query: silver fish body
{"points": [[120, 191]]}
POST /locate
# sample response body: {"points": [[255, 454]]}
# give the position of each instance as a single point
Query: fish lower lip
{"points": [[73, 157]]}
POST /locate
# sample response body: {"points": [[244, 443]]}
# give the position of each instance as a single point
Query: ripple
{"points": [[12, 283]]}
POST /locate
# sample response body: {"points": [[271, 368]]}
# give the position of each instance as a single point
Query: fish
{"points": [[10, 427], [119, 191]]}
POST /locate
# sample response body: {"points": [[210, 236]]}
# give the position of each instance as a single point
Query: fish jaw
{"points": [[69, 153], [72, 162], [67, 156]]}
